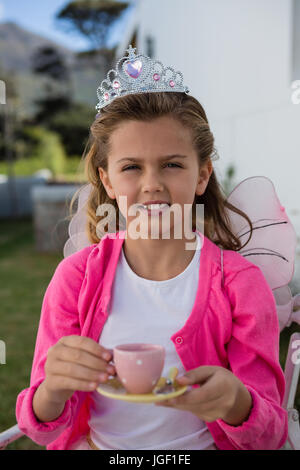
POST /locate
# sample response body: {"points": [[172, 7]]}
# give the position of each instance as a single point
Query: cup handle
{"points": [[112, 353]]}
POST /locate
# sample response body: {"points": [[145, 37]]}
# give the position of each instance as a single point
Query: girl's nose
{"points": [[152, 183]]}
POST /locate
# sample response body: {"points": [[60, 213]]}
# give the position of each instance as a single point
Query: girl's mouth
{"points": [[155, 209]]}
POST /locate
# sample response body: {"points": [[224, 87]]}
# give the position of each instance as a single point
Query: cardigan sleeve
{"points": [[253, 355], [59, 317]]}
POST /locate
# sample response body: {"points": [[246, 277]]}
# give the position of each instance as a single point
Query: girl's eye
{"points": [[135, 166], [175, 164], [129, 167]]}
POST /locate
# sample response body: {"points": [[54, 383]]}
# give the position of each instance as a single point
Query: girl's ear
{"points": [[106, 183], [203, 179]]}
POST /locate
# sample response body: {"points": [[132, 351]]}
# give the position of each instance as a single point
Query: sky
{"points": [[38, 16]]}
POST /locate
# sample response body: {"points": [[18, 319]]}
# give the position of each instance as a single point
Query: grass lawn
{"points": [[24, 277]]}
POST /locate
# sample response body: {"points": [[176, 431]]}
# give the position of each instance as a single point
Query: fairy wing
{"points": [[272, 246], [78, 238], [273, 243]]}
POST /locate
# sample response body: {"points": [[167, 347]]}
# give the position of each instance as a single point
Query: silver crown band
{"points": [[138, 74]]}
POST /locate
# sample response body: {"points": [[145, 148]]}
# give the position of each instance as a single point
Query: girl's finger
{"points": [[199, 375], [206, 393], [85, 344], [84, 358], [212, 410], [78, 372], [71, 384], [209, 411]]}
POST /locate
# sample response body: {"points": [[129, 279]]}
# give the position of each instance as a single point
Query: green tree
{"points": [[9, 123], [46, 146], [93, 19], [73, 127], [9, 117], [228, 182], [47, 61]]}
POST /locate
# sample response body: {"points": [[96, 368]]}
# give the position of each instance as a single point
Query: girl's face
{"points": [[140, 166]]}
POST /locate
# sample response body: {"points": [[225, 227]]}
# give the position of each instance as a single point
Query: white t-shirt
{"points": [[147, 311]]}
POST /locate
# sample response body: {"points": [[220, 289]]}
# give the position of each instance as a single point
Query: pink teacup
{"points": [[139, 365]]}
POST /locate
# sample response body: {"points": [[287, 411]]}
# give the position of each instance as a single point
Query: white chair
{"points": [[291, 372], [9, 436]]}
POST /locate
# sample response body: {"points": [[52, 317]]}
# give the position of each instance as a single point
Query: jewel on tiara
{"points": [[138, 74]]}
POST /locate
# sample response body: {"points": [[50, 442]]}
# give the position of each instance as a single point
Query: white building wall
{"points": [[236, 56], [238, 59]]}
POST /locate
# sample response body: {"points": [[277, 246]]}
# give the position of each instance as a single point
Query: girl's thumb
{"points": [[198, 375], [184, 379]]}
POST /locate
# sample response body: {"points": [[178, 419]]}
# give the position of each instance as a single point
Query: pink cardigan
{"points": [[235, 327]]}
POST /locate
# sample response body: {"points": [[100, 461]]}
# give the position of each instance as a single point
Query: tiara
{"points": [[138, 74]]}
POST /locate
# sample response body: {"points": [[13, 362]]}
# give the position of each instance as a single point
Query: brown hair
{"points": [[146, 107]]}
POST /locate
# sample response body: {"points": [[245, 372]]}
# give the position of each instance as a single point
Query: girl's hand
{"points": [[75, 363], [221, 395]]}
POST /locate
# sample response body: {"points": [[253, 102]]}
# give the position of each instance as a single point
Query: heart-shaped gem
{"points": [[134, 68]]}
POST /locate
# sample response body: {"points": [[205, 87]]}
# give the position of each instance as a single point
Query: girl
{"points": [[210, 308]]}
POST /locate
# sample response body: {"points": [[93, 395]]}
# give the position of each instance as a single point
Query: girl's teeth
{"points": [[156, 206]]}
